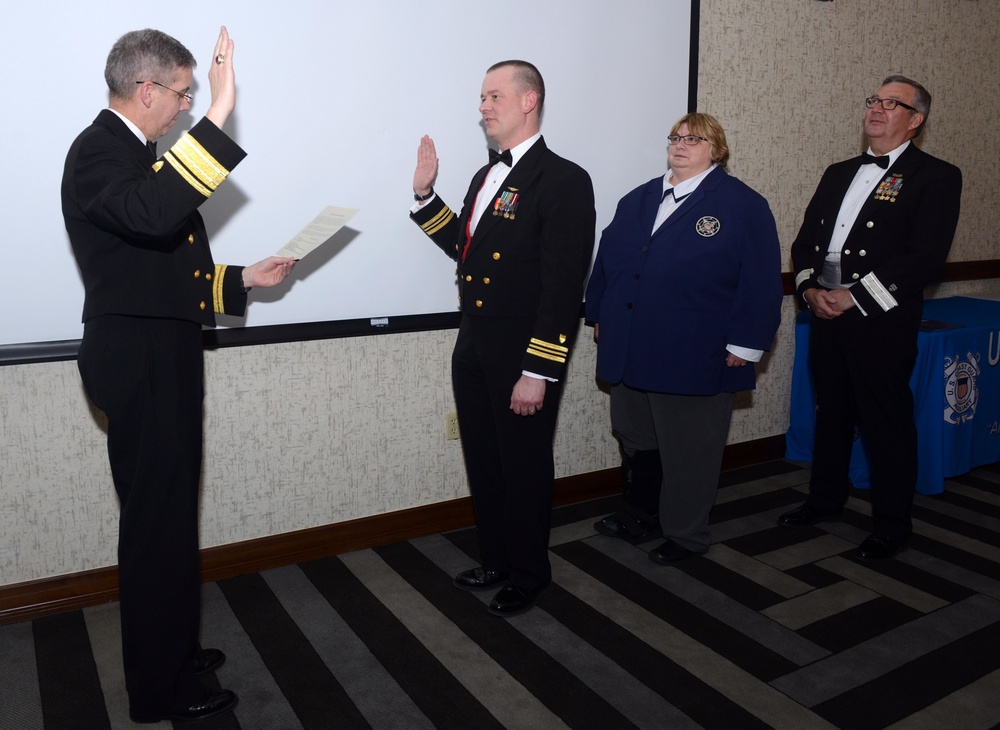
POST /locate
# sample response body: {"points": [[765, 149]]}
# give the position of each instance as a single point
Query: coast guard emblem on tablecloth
{"points": [[707, 226], [960, 389]]}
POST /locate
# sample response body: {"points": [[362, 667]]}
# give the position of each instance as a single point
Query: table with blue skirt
{"points": [[956, 389]]}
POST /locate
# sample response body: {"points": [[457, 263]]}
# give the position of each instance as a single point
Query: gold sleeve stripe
{"points": [[218, 303], [183, 172], [193, 162], [548, 350], [546, 355], [438, 222], [551, 346]]}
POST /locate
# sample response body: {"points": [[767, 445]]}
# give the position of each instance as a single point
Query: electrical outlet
{"points": [[451, 426]]}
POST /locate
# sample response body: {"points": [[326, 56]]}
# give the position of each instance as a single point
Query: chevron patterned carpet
{"points": [[772, 628]]}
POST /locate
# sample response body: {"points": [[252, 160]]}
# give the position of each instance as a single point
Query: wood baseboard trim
{"points": [[48, 596]]}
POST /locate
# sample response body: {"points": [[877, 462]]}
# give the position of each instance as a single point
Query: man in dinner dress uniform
{"points": [[876, 232], [150, 286], [523, 242]]}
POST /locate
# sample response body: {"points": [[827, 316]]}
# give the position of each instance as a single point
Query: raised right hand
{"points": [[427, 167], [222, 80]]}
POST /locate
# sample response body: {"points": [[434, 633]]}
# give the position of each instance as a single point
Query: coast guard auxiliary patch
{"points": [[707, 226], [960, 389]]}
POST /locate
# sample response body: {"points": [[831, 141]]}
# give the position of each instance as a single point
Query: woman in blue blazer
{"points": [[686, 290]]}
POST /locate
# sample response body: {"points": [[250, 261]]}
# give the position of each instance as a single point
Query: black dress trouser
{"points": [[146, 375]]}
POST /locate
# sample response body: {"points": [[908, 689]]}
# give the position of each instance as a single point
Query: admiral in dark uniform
{"points": [[523, 243], [151, 285], [876, 232]]}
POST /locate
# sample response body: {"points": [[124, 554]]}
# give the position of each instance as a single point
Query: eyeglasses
{"points": [[689, 139], [189, 98], [887, 104]]}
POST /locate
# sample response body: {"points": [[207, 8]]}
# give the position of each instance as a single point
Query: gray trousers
{"points": [[690, 432]]}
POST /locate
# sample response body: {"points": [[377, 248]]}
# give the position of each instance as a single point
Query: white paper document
{"points": [[319, 230]]}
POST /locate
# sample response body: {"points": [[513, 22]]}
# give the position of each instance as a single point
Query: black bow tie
{"points": [[151, 146], [882, 161], [673, 191], [503, 157]]}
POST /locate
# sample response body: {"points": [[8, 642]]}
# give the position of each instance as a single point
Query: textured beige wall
{"points": [[310, 433]]}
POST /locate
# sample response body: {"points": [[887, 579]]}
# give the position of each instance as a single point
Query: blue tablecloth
{"points": [[956, 388]]}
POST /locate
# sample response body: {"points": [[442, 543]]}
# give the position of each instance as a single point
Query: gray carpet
{"points": [[772, 628]]}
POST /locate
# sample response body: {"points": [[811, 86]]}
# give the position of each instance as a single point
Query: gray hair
{"points": [[144, 55], [922, 101]]}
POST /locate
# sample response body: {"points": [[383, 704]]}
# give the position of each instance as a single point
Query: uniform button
{"points": [[817, 248], [190, 238], [208, 277], [496, 255], [855, 276], [479, 302], [869, 224], [847, 252], [468, 278], [486, 280], [644, 249], [201, 306], [862, 252], [197, 273]]}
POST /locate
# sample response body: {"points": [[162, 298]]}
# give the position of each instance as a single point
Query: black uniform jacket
{"points": [[901, 237], [134, 225], [530, 253]]}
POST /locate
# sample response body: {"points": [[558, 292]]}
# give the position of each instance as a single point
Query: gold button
{"points": [[496, 255], [202, 306], [190, 238], [208, 277], [486, 280], [468, 278], [197, 273], [479, 302]]}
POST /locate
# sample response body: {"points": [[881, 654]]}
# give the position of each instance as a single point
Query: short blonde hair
{"points": [[707, 126]]}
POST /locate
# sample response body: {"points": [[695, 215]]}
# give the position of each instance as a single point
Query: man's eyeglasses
{"points": [[689, 139], [887, 104], [187, 97]]}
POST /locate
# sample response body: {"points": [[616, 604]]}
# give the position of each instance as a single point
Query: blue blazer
{"points": [[669, 303]]}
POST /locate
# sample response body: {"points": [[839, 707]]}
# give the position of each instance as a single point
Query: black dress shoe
{"points": [[479, 579], [670, 552], [213, 704], [511, 600], [805, 516], [208, 660], [626, 526], [880, 547]]}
